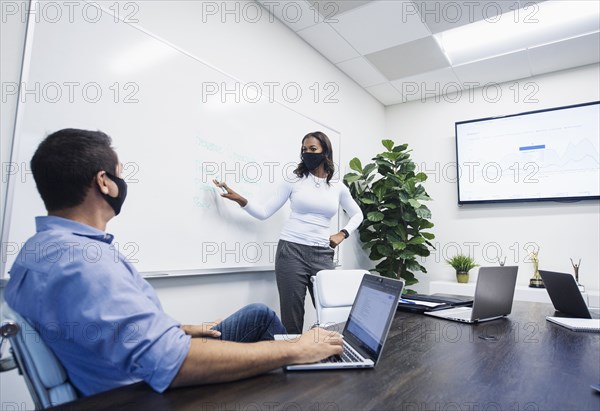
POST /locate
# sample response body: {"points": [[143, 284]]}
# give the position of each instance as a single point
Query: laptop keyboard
{"points": [[348, 355]]}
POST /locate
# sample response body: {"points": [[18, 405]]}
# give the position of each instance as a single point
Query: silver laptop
{"points": [[565, 295], [493, 298], [367, 327]]}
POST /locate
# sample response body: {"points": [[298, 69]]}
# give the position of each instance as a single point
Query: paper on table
{"points": [[419, 302], [577, 324]]}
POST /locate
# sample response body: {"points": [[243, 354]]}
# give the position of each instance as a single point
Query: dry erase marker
{"points": [[223, 188]]}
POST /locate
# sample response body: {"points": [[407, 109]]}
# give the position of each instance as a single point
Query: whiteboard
{"points": [[172, 133]]}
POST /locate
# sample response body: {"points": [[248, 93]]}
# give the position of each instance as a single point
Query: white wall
{"points": [[254, 51], [560, 230]]}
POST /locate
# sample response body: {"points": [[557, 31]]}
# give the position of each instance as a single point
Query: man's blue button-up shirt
{"points": [[103, 321]]}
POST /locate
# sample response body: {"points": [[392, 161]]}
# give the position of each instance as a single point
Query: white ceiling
{"points": [[388, 48]]}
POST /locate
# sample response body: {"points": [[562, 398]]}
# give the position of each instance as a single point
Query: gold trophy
{"points": [[536, 280]]}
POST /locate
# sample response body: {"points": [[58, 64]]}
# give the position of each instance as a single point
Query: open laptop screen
{"points": [[372, 314]]}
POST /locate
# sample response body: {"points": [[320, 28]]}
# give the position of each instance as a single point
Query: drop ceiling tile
{"points": [[499, 69], [377, 41], [380, 25], [325, 40], [408, 59], [575, 52], [362, 72], [297, 14], [385, 93], [445, 15], [330, 9], [427, 85]]}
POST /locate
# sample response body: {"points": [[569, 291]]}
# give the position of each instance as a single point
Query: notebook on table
{"points": [[367, 327], [494, 293], [591, 325]]}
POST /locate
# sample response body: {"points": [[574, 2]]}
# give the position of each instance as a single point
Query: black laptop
{"points": [[565, 295]]}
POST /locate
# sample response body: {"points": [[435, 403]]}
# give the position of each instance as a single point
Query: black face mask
{"points": [[312, 160], [116, 202]]}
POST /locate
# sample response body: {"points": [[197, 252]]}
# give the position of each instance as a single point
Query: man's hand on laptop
{"points": [[317, 344]]}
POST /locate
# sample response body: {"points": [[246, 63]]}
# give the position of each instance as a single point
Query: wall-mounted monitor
{"points": [[543, 155]]}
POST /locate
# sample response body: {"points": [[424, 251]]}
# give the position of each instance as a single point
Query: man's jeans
{"points": [[254, 322]]}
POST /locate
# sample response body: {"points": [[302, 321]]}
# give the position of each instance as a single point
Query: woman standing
{"points": [[305, 243]]}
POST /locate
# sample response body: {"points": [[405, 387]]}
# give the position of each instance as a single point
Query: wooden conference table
{"points": [[521, 363]]}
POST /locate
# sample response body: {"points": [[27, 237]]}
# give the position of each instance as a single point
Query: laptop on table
{"points": [[367, 326], [494, 293], [565, 295]]}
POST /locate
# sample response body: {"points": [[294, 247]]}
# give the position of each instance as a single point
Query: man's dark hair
{"points": [[66, 162], [302, 171]]}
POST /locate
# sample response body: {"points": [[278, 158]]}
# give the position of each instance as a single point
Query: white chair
{"points": [[334, 292], [44, 375]]}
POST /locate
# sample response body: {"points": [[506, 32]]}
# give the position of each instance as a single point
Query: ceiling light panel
{"points": [[445, 15], [534, 25]]}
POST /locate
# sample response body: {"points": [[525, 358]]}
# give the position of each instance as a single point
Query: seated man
{"points": [[103, 321]]}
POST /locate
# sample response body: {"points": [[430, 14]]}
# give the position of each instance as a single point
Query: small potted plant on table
{"points": [[462, 264]]}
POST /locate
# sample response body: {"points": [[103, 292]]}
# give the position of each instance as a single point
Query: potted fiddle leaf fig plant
{"points": [[391, 195], [462, 264]]}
